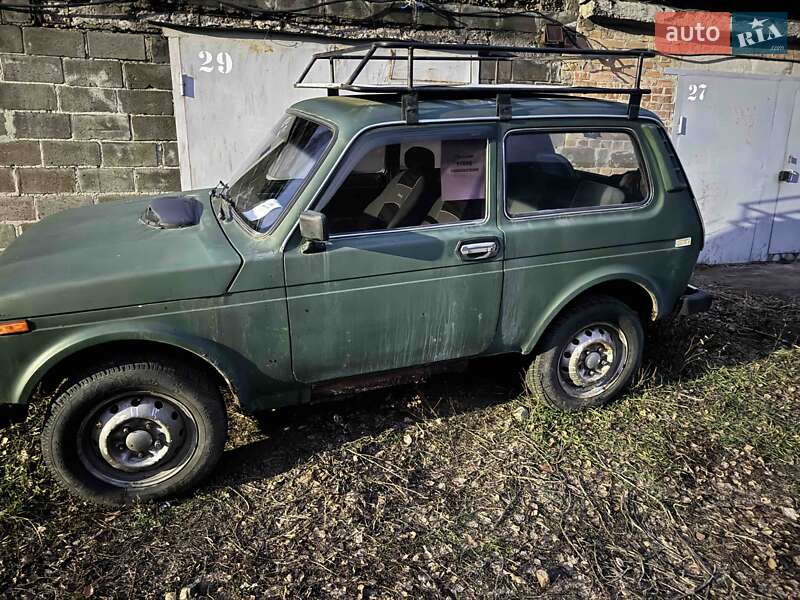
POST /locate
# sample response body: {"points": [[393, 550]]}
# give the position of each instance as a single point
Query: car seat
{"points": [[401, 194]]}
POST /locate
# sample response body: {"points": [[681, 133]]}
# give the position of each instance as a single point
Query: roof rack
{"points": [[411, 92]]}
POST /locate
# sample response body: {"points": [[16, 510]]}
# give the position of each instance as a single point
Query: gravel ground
{"points": [[465, 487]]}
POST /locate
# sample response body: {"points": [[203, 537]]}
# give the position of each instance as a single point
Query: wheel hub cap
{"points": [[138, 434], [139, 441], [591, 359]]}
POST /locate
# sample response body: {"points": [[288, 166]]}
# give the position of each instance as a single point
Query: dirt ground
{"points": [[466, 487], [779, 279]]}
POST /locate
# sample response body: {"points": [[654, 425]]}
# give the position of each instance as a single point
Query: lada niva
{"points": [[371, 234]]}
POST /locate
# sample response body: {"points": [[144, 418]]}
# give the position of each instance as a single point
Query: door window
{"points": [[412, 184], [574, 170]]}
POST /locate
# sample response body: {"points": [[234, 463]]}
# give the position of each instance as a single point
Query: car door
{"points": [[381, 299]]}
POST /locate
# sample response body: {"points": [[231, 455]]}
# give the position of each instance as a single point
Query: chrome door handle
{"points": [[788, 176], [478, 250]]}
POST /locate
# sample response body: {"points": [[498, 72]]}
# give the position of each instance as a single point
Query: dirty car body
{"points": [[253, 304], [240, 296]]}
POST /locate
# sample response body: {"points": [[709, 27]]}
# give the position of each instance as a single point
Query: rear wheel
{"points": [[137, 430], [590, 354]]}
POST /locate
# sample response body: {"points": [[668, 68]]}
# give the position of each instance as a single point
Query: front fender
{"points": [[51, 350], [244, 337]]}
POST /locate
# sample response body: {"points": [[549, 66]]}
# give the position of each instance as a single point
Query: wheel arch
{"points": [[59, 364], [638, 292]]}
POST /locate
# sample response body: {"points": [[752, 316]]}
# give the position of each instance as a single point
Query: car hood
{"points": [[105, 256]]}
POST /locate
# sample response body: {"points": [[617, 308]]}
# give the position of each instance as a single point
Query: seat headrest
{"points": [[632, 183], [552, 163], [419, 158]]}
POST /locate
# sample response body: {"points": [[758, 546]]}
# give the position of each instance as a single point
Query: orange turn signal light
{"points": [[14, 327]]}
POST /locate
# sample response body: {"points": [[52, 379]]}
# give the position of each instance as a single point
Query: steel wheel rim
{"points": [[137, 439], [592, 360]]}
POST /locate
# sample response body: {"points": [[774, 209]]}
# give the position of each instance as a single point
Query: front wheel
{"points": [[139, 430], [590, 354]]}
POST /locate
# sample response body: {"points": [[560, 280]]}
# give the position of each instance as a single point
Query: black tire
{"points": [[613, 327], [193, 427]]}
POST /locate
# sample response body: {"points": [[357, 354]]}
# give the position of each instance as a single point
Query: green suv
{"points": [[370, 236]]}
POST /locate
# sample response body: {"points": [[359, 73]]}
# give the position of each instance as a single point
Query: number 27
{"points": [[697, 92]]}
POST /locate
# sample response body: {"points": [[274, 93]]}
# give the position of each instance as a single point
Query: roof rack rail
{"points": [[412, 90]]}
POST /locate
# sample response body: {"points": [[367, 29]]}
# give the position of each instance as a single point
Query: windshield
{"points": [[266, 188]]}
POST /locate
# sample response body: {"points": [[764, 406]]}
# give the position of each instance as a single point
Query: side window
{"points": [[412, 184], [572, 170]]}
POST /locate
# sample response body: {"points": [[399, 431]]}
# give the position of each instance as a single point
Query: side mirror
{"points": [[314, 230]]}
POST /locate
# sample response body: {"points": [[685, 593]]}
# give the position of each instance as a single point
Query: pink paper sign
{"points": [[463, 170]]}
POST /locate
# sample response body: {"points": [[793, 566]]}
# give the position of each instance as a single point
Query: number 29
{"points": [[224, 62]]}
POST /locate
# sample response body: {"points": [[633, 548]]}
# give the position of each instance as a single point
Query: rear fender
{"points": [[585, 285]]}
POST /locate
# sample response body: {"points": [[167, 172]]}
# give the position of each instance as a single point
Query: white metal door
{"points": [[785, 238], [730, 132], [229, 93], [229, 90]]}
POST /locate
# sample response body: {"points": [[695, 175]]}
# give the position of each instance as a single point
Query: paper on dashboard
{"points": [[261, 210]]}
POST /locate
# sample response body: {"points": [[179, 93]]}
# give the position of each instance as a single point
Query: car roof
{"points": [[355, 112]]}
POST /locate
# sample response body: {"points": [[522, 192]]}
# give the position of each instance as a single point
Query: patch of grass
{"points": [[752, 406], [150, 516], [756, 405], [685, 486], [23, 480]]}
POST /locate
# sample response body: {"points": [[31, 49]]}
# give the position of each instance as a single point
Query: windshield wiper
{"points": [[221, 191]]}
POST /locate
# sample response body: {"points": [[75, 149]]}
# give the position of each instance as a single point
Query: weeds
{"points": [[687, 486]]}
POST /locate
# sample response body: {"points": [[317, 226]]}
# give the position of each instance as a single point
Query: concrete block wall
{"points": [[86, 117], [86, 96]]}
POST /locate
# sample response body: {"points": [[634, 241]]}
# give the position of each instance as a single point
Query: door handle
{"points": [[788, 176], [478, 250]]}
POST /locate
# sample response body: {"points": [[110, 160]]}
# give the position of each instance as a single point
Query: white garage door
{"points": [[230, 89], [735, 135]]}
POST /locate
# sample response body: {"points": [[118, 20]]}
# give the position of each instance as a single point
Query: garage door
{"points": [[735, 134], [230, 88]]}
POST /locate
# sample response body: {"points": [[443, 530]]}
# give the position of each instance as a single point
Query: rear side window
{"points": [[572, 170], [678, 175]]}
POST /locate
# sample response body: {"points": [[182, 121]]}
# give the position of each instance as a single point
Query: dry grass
{"points": [[687, 486]]}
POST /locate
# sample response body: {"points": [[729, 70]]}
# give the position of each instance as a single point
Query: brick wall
{"points": [[622, 72], [86, 118], [661, 100]]}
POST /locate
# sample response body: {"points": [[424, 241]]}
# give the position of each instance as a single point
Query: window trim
{"points": [[459, 121], [331, 143], [558, 212], [427, 227]]}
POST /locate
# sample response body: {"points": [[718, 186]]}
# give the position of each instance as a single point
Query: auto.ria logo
{"points": [[702, 32], [759, 33]]}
